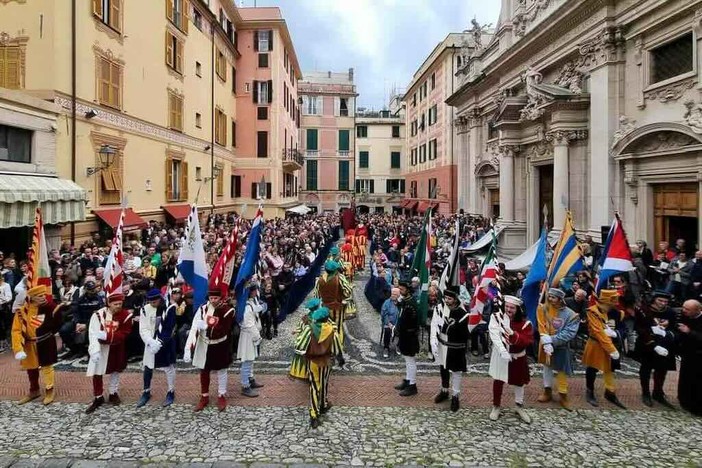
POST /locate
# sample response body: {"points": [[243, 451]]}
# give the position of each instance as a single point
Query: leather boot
{"points": [[409, 390], [441, 397], [29, 397], [97, 402], [314, 423], [327, 406], [254, 384], [546, 396], [49, 397], [455, 403], [221, 402], [204, 401], [145, 397], [114, 399], [612, 398], [170, 398], [646, 399], [660, 398], [565, 404], [249, 392], [402, 385], [590, 397]]}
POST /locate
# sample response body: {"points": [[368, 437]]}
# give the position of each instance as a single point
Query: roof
{"points": [[260, 13], [327, 77]]}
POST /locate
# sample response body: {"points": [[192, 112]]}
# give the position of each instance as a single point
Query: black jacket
{"points": [[407, 330]]}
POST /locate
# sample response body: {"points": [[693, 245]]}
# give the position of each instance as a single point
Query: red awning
{"points": [[404, 203], [411, 204], [423, 206], [111, 218], [178, 213]]}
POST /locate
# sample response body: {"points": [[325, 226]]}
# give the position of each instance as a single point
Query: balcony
{"points": [[344, 153], [292, 159]]}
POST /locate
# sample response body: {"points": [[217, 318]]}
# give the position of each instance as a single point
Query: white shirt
{"points": [[5, 293]]}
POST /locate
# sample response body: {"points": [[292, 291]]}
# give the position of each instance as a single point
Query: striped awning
{"points": [[61, 200]]}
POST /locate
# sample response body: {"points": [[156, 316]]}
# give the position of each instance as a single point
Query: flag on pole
{"points": [[224, 268], [191, 262], [421, 265], [488, 275], [450, 275], [616, 256], [39, 271], [537, 274], [248, 264], [115, 261], [567, 257]]}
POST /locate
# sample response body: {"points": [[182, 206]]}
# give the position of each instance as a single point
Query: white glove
{"points": [[94, 358], [187, 356], [548, 349], [610, 333], [661, 351], [21, 355], [101, 335], [201, 325], [614, 355], [506, 356], [658, 330], [546, 339]]}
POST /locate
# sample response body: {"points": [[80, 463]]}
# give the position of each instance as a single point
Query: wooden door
{"points": [[545, 195], [675, 212]]}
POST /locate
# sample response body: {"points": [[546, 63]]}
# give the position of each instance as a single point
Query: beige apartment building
{"points": [[328, 140], [153, 81], [380, 159]]}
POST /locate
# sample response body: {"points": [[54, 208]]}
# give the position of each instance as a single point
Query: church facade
{"points": [[584, 106]]}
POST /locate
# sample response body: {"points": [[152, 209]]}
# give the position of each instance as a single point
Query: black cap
{"points": [[452, 291], [661, 293], [406, 284]]}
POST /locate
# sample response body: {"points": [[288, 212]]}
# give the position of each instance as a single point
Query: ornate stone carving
{"points": [[474, 118], [661, 141], [477, 31], [522, 20], [672, 92], [564, 137], [540, 151], [626, 126], [570, 78], [603, 48], [531, 111], [698, 22], [107, 53], [461, 124], [693, 116]]}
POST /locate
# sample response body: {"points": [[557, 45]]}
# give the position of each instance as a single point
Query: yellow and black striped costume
{"points": [[336, 293], [298, 366]]}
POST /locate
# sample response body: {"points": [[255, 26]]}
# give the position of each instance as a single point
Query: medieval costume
{"points": [[449, 340], [250, 340], [33, 343], [655, 347], [558, 325], [298, 366], [318, 341], [511, 334], [209, 346], [347, 260], [107, 335], [157, 327], [361, 238], [690, 350], [601, 353], [407, 332], [334, 293]]}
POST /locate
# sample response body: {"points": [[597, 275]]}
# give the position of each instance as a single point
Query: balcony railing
{"points": [[292, 155], [344, 152], [312, 153]]}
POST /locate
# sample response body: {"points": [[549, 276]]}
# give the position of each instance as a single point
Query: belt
{"points": [[44, 337], [214, 342], [448, 344], [518, 355]]}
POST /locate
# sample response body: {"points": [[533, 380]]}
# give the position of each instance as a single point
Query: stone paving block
{"points": [[89, 464], [7, 460], [28, 463], [194, 465], [122, 464], [228, 464], [303, 465], [56, 463], [267, 465]]}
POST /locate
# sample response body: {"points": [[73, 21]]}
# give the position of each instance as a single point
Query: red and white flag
{"points": [[488, 275], [39, 271], [115, 261], [223, 270]]}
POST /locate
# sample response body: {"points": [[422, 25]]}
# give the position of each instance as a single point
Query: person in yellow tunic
{"points": [[318, 342], [298, 365], [335, 293], [600, 351], [347, 258], [33, 342]]}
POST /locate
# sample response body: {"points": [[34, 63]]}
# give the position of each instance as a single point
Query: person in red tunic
{"points": [[362, 240], [107, 336], [511, 334]]}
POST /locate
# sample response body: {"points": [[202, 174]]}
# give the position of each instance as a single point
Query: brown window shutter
{"points": [[255, 41], [169, 50], [179, 56], [114, 14], [270, 40], [255, 92], [97, 8], [184, 181], [169, 178], [169, 10], [270, 91], [254, 191], [269, 190], [186, 16]]}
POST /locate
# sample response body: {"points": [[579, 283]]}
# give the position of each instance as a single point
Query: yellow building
{"points": [[154, 80]]}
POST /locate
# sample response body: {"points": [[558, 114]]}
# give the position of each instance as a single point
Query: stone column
{"points": [[474, 149], [560, 176], [465, 180], [507, 184]]}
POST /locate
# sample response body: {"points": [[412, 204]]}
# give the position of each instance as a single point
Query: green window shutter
{"points": [[358, 185], [395, 160], [372, 186], [311, 174], [402, 185], [363, 159], [343, 175], [312, 139], [343, 140]]}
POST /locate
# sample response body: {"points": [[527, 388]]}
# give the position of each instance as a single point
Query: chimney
{"points": [[351, 75], [328, 74]]}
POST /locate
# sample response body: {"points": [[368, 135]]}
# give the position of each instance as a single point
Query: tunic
{"points": [[690, 383], [33, 330], [250, 335], [213, 345], [449, 337], [599, 346], [113, 349], [516, 371], [646, 340], [407, 329], [158, 323], [562, 326]]}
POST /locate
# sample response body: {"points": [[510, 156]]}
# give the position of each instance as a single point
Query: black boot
{"points": [[612, 398], [590, 397], [254, 384], [660, 398], [455, 404], [410, 389], [403, 385], [441, 396], [97, 402], [646, 399], [314, 423]]}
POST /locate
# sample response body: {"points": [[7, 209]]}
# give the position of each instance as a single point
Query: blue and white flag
{"points": [[191, 262], [248, 264]]}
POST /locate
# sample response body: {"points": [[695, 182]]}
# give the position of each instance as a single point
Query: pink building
{"points": [[267, 130], [328, 139]]}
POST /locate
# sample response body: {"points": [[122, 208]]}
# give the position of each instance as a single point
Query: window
{"points": [[422, 121], [365, 186], [432, 149], [311, 178], [414, 99], [312, 142], [396, 131], [108, 11], [395, 160], [343, 107], [363, 159], [413, 128], [433, 81], [10, 67], [672, 59], [110, 89], [198, 120], [432, 115], [15, 144], [423, 153], [312, 105], [362, 131], [343, 140], [413, 189], [262, 60], [175, 112], [233, 80], [198, 69], [234, 133], [413, 157], [220, 179], [197, 19], [263, 41], [343, 175], [174, 52], [263, 92], [176, 12], [220, 127], [111, 179], [235, 188], [176, 179], [262, 144], [432, 188], [262, 113], [221, 66], [395, 186], [198, 173]]}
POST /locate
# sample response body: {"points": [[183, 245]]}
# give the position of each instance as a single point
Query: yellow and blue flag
{"points": [[567, 257]]}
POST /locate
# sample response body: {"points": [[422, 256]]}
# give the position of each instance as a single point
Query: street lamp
{"points": [[107, 158]]}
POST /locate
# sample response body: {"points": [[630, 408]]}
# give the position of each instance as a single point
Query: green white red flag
{"points": [[421, 265]]}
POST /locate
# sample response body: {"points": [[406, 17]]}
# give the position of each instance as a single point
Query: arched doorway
{"points": [[487, 174]]}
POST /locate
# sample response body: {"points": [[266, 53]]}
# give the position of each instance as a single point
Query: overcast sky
{"points": [[385, 41]]}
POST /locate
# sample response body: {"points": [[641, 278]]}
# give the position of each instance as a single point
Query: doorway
{"points": [[545, 196], [494, 203], [675, 212]]}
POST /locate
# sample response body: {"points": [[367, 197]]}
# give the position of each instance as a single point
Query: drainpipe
{"points": [[73, 106], [454, 187], [212, 136]]}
